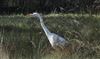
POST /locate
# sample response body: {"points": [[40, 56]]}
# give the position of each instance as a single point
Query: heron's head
{"points": [[35, 14]]}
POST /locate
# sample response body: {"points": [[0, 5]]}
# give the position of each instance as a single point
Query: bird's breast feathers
{"points": [[56, 40], [51, 40]]}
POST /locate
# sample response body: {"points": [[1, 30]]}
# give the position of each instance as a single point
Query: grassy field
{"points": [[21, 37]]}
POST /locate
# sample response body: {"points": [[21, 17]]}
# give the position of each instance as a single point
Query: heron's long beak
{"points": [[31, 14]]}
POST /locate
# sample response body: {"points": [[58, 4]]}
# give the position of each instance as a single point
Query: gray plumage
{"points": [[54, 39]]}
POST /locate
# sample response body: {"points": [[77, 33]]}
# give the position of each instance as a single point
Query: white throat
{"points": [[47, 32]]}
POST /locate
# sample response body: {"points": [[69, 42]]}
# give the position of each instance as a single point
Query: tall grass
{"points": [[22, 37]]}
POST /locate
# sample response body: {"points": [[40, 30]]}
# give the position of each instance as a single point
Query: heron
{"points": [[54, 39]]}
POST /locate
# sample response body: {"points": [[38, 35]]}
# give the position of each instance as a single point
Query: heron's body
{"points": [[57, 41], [54, 39]]}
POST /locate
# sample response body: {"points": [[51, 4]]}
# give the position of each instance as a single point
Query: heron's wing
{"points": [[59, 40]]}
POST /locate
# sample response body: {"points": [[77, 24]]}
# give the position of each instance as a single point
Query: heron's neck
{"points": [[47, 32]]}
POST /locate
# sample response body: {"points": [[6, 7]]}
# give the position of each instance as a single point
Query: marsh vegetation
{"points": [[21, 37]]}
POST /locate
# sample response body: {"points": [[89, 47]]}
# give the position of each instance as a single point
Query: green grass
{"points": [[18, 32]]}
